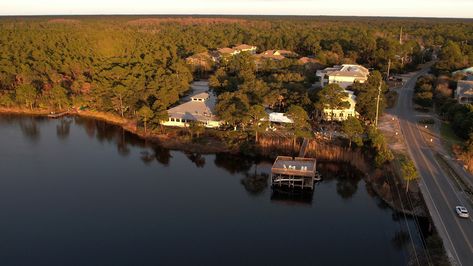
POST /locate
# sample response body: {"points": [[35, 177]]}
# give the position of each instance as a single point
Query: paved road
{"points": [[438, 190]]}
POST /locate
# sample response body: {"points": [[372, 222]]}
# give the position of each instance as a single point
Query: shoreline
{"points": [[174, 142], [166, 140]]}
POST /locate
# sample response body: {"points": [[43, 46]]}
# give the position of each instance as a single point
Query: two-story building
{"points": [[200, 109], [344, 75], [464, 92], [341, 114]]}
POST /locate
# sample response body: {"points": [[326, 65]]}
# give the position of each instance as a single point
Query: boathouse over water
{"points": [[293, 172]]}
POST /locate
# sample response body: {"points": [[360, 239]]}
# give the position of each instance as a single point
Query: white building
{"points": [[341, 114], [200, 108], [226, 52], [464, 91], [246, 48], [344, 75], [279, 118]]}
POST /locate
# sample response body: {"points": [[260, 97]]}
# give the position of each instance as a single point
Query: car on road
{"points": [[462, 211]]}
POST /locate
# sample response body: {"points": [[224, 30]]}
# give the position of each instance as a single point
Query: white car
{"points": [[462, 211]]}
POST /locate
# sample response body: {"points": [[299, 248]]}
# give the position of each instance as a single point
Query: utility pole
{"points": [[377, 104], [389, 68], [400, 37]]}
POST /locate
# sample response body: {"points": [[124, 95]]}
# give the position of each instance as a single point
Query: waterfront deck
{"points": [[293, 172], [57, 115]]}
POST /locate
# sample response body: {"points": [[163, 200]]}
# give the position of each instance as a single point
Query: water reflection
{"points": [[346, 176], [29, 128], [88, 124], [400, 239], [255, 183], [220, 208], [147, 157], [233, 163], [162, 155], [63, 128], [196, 158], [292, 196]]}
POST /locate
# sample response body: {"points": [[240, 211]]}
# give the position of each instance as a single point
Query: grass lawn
{"points": [[449, 137]]}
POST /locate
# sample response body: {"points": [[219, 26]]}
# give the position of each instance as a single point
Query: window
{"points": [[172, 119]]}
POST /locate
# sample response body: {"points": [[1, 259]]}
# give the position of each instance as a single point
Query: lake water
{"points": [[76, 191]]}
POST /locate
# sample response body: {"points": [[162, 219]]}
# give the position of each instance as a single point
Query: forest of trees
{"points": [[134, 67]]}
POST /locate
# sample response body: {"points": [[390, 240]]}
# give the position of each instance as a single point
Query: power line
{"points": [[407, 225]]}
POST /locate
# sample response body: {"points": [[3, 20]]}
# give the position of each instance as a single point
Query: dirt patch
{"points": [[390, 127]]}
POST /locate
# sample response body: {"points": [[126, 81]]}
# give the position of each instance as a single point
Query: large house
{"points": [[227, 51], [242, 48], [246, 48], [276, 54], [341, 114], [464, 91], [344, 75], [199, 109]]}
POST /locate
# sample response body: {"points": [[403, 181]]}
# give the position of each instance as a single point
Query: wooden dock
{"points": [[293, 172], [54, 115]]}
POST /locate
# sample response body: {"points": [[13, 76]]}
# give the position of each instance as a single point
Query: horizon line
{"points": [[210, 14]]}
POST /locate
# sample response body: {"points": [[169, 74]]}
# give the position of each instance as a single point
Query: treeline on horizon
{"points": [[124, 64]]}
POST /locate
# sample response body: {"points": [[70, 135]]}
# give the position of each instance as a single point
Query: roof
{"points": [[302, 166], [345, 70], [279, 118], [306, 60], [226, 50], [244, 47], [464, 87], [347, 74], [286, 52], [195, 110], [270, 54]]}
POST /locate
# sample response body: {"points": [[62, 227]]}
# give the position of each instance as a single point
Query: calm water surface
{"points": [[76, 191]]}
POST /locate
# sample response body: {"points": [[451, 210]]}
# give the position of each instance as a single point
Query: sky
{"points": [[408, 8]]}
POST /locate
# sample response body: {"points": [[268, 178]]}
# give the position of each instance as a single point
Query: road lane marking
{"points": [[447, 179], [407, 103], [457, 258], [439, 170]]}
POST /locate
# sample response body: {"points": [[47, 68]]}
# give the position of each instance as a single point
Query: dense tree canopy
{"points": [[120, 64]]}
